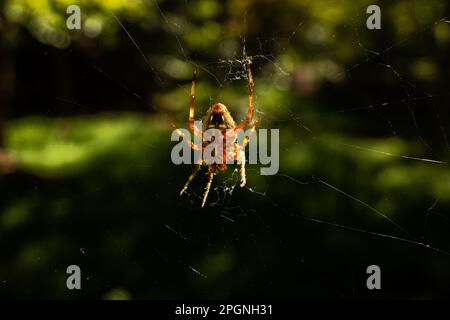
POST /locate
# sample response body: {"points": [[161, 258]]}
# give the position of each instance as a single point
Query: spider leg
{"points": [[249, 118], [248, 136], [192, 127], [211, 172], [239, 152], [181, 134], [191, 177], [241, 161]]}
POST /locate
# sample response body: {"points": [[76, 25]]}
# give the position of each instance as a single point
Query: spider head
{"points": [[218, 117]]}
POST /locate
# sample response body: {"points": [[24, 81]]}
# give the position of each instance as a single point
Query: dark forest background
{"points": [[85, 170]]}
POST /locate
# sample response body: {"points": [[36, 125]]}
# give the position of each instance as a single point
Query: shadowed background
{"points": [[86, 176]]}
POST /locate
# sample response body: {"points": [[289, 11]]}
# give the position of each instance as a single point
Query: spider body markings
{"points": [[218, 117]]}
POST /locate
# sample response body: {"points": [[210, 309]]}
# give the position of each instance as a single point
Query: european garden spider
{"points": [[218, 117]]}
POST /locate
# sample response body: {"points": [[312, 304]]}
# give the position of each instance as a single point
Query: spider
{"points": [[218, 117]]}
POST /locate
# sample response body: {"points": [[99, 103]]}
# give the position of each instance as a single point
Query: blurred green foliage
{"points": [[46, 19]]}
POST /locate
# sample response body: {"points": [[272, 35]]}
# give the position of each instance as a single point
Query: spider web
{"points": [[233, 247]]}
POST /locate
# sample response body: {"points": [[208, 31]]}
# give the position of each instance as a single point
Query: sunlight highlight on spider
{"points": [[218, 117]]}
